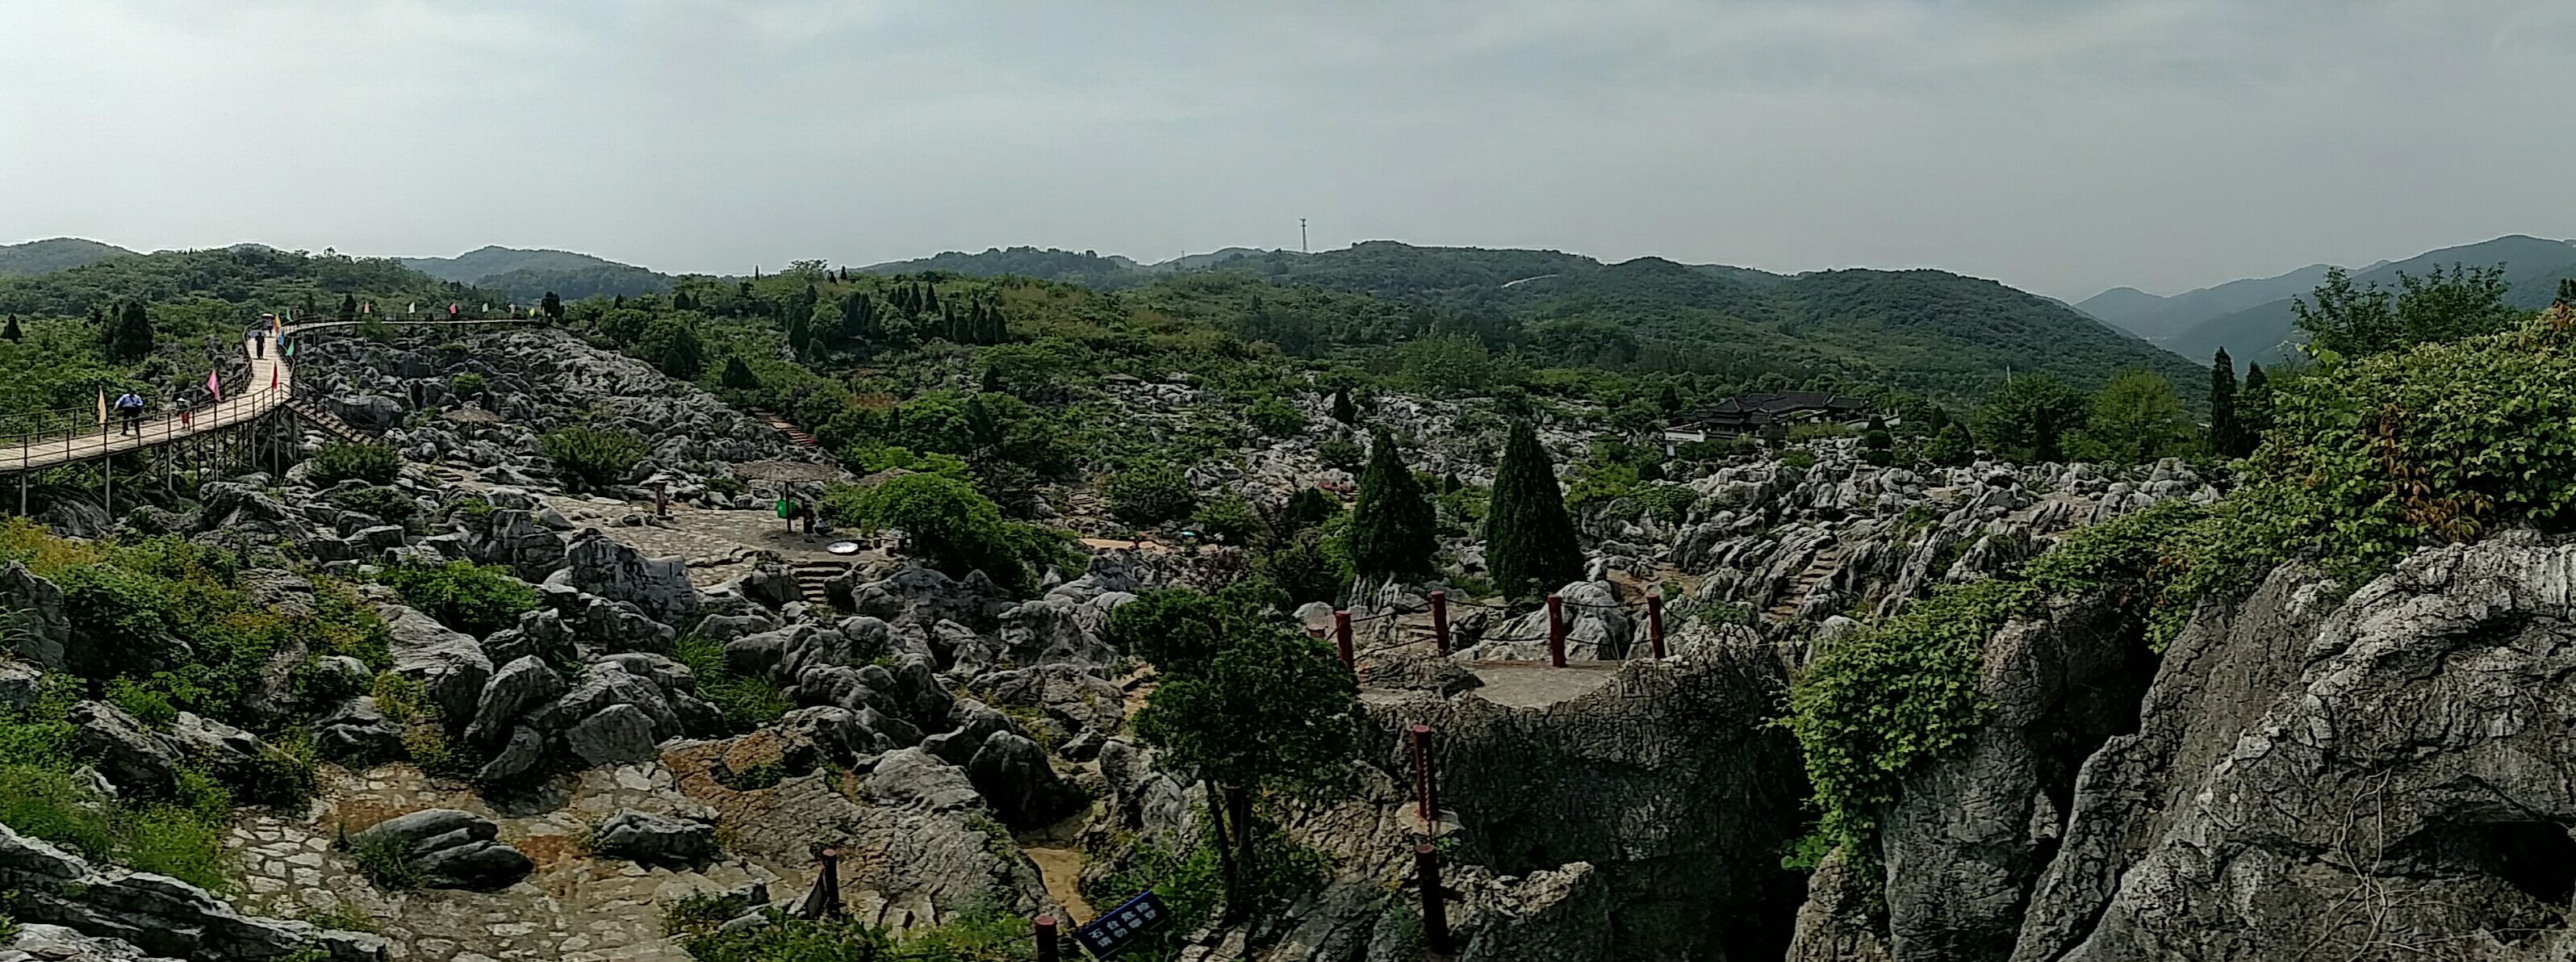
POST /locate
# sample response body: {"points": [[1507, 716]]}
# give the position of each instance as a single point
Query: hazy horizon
{"points": [[2060, 147]]}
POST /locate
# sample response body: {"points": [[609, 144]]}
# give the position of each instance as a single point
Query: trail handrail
{"points": [[81, 437]]}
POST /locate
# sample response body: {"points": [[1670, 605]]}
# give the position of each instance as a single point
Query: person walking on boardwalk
{"points": [[129, 407]]}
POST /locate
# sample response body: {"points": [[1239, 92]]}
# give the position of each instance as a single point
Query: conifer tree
{"points": [[129, 333], [2253, 410], [553, 306], [1392, 531], [684, 357], [2226, 436], [1343, 410], [11, 332], [737, 375], [1530, 544], [348, 307]]}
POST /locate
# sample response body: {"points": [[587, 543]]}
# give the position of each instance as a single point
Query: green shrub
{"points": [[1149, 493], [475, 599], [1341, 453], [1274, 417], [183, 844], [468, 385], [1903, 692], [1799, 458], [386, 861], [594, 457], [341, 461], [1668, 503], [1227, 519], [950, 524], [747, 702]]}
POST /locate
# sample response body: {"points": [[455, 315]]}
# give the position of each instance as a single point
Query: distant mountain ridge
{"points": [[2252, 318], [2264, 332], [529, 274], [54, 254]]}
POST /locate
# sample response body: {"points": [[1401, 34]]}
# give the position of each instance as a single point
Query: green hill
{"points": [[1933, 332], [248, 279], [2159, 319], [59, 253], [2262, 333], [477, 264]]}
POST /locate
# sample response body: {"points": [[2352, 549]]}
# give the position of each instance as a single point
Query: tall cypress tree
{"points": [[1343, 410], [1529, 542], [129, 333], [11, 332], [348, 307], [1392, 532], [2254, 410], [2226, 436]]}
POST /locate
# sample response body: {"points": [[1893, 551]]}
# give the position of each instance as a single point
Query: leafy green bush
{"points": [[468, 385], [1668, 503], [1227, 519], [1798, 458], [594, 457], [475, 599], [1902, 692], [341, 461], [1274, 417], [950, 524], [386, 861], [1148, 493], [1341, 453], [747, 702]]}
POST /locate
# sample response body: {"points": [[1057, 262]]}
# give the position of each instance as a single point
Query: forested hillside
{"points": [[528, 275], [2532, 268], [1926, 331], [45, 256]]}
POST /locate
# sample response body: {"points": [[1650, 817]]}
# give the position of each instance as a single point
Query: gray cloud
{"points": [[2061, 145]]}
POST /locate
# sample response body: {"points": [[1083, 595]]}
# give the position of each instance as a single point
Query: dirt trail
{"points": [[1058, 853]]}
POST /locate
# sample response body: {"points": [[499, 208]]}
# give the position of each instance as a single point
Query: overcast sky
{"points": [[2058, 145]]}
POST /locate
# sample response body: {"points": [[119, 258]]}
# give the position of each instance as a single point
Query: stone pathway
{"points": [[574, 907]]}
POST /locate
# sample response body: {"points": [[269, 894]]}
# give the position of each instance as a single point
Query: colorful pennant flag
{"points": [[102, 408], [215, 386]]}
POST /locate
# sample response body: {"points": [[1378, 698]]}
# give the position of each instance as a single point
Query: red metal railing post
{"points": [[1555, 630], [1655, 623], [1342, 637], [1046, 939], [1435, 910], [1440, 621], [1426, 787]]}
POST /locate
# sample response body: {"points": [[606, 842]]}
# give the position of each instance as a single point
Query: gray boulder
{"points": [[615, 735], [32, 609], [138, 759], [649, 838], [659, 586], [520, 685], [450, 666], [1012, 774], [518, 755], [356, 729], [20, 686], [451, 848], [67, 906]]}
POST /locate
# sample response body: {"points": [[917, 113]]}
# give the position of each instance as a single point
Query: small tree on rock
{"points": [[1530, 544], [1393, 533], [1343, 410], [11, 332], [1268, 710], [737, 375], [129, 334]]}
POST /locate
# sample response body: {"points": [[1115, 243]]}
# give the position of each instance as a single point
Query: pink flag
{"points": [[215, 387]]}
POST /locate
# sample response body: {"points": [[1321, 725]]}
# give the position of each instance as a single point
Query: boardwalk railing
{"points": [[45, 439]]}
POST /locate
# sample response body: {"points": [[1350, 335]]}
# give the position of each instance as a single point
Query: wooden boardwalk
{"points": [[271, 384]]}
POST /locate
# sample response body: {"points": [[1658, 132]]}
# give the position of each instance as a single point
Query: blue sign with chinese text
{"points": [[1120, 927]]}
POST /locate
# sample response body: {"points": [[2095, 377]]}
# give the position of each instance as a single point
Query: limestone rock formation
{"points": [[450, 848], [658, 839], [155, 914]]}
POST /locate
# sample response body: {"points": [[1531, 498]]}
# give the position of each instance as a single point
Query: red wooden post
{"points": [[1046, 939], [1555, 630], [1440, 621], [1342, 636], [1655, 623], [1426, 789], [1435, 913]]}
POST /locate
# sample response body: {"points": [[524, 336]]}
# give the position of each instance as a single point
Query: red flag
{"points": [[214, 386]]}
